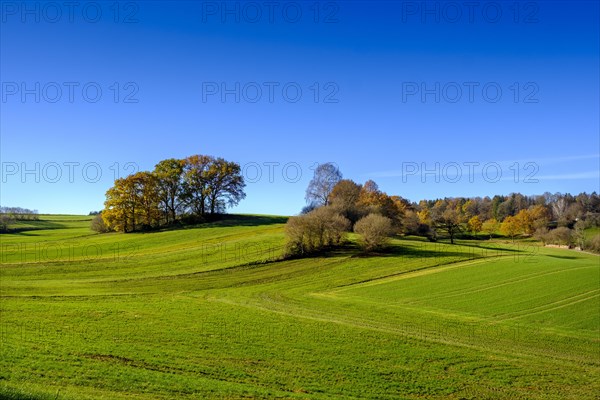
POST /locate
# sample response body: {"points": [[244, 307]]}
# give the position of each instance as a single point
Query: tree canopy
{"points": [[192, 187]]}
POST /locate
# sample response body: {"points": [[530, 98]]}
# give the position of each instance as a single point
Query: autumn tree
{"points": [[424, 216], [474, 224], [169, 174], [325, 178], [147, 199], [374, 201], [195, 187], [120, 206], [540, 216], [490, 226], [524, 222], [197, 184], [132, 203], [225, 185], [344, 198], [510, 227]]}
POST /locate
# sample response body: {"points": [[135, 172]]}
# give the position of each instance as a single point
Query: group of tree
{"points": [[337, 206], [176, 190], [9, 215], [544, 216], [375, 215]]}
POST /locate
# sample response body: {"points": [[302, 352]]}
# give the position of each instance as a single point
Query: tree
{"points": [[524, 222], [410, 225], [344, 198], [448, 221], [540, 216], [132, 203], [424, 216], [314, 231], [579, 233], [474, 224], [375, 231], [5, 221], [169, 174], [147, 199], [490, 226], [225, 185], [510, 227], [325, 178], [195, 183], [119, 207], [372, 200], [558, 206]]}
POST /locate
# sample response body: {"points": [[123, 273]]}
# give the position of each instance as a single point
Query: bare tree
{"points": [[324, 180]]}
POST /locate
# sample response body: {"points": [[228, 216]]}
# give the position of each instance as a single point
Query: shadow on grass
{"points": [[433, 250], [40, 225], [562, 257], [226, 220]]}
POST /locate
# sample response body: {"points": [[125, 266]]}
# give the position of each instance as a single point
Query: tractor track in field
{"points": [[432, 269], [316, 315], [168, 369], [556, 305], [523, 278]]}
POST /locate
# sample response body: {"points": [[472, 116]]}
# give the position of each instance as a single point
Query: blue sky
{"points": [[429, 102]]}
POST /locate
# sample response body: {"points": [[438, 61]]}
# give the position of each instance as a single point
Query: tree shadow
{"points": [[224, 220], [40, 225], [563, 257]]}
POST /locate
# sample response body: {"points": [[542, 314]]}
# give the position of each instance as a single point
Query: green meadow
{"points": [[212, 311]]}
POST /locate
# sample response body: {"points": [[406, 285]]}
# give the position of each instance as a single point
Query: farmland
{"points": [[212, 311]]}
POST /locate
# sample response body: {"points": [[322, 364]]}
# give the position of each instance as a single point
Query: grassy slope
{"points": [[198, 313]]}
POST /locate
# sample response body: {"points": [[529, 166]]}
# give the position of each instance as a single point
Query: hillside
{"points": [[208, 311]]}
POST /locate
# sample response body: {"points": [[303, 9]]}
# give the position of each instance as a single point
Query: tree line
{"points": [[337, 206], [9, 215], [176, 190]]}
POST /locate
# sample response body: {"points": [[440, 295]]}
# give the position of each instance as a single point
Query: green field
{"points": [[209, 312]]}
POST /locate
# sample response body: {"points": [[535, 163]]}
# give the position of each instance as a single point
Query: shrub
{"points": [[375, 231], [541, 234], [561, 236], [594, 244], [315, 231], [5, 221], [98, 224]]}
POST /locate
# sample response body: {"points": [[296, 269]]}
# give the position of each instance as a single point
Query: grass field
{"points": [[205, 312]]}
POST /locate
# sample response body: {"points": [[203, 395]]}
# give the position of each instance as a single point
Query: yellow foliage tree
{"points": [[474, 224], [510, 227]]}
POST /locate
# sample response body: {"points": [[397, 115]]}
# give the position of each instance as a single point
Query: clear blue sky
{"points": [[387, 89]]}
